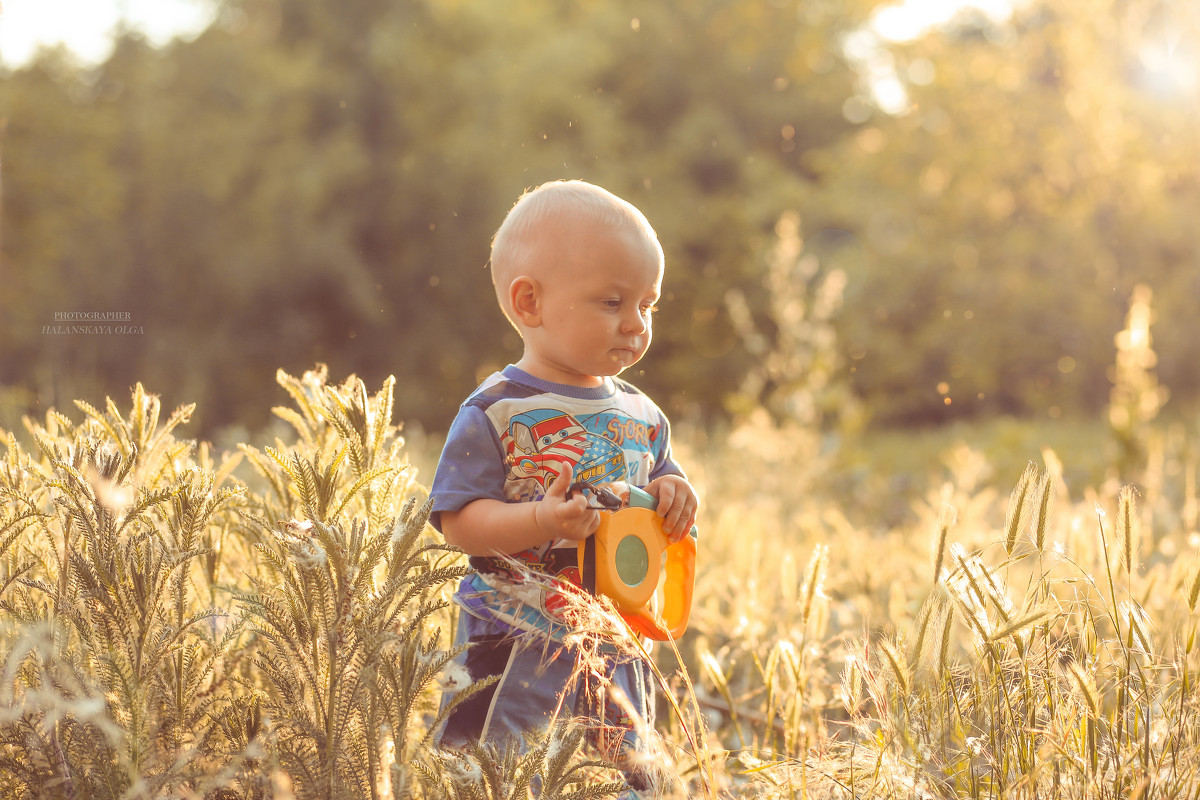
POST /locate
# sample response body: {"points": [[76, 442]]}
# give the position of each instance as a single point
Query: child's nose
{"points": [[635, 322]]}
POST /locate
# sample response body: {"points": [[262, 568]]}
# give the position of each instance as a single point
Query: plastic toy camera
{"points": [[649, 579]]}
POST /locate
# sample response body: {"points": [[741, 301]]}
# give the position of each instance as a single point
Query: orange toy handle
{"points": [[641, 571], [676, 595]]}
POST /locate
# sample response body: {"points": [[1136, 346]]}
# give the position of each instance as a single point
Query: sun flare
{"points": [[1170, 66]]}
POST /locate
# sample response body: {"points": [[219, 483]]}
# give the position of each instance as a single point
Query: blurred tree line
{"points": [[307, 181]]}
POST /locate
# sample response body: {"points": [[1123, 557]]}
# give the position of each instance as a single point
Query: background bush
{"points": [[300, 184]]}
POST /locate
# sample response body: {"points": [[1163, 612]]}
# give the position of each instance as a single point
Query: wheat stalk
{"points": [[946, 519], [1128, 528], [1045, 505], [1019, 507]]}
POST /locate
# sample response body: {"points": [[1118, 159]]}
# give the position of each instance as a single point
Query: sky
{"points": [[86, 26]]}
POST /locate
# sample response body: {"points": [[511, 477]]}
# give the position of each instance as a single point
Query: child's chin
{"points": [[622, 360], [615, 369]]}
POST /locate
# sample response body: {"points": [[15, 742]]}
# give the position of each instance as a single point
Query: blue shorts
{"points": [[539, 680]]}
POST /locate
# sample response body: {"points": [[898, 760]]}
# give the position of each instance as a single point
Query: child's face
{"points": [[597, 303]]}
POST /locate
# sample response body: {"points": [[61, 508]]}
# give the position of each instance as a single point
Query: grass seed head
{"points": [[814, 579], [1128, 528], [852, 685], [1045, 507], [946, 519], [1193, 585], [929, 632], [1020, 507], [1138, 627], [1087, 688], [897, 666], [965, 587], [944, 641]]}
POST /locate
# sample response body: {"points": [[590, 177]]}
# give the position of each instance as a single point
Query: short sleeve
{"points": [[664, 461], [471, 467]]}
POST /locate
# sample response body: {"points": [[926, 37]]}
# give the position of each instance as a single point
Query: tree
{"points": [[301, 183], [995, 229]]}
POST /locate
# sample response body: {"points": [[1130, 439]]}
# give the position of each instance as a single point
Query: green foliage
{"points": [[297, 185], [991, 233]]}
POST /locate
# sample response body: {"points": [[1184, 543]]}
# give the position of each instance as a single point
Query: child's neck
{"points": [[545, 372]]}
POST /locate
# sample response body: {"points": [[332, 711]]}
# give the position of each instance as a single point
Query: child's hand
{"points": [[560, 518], [677, 504]]}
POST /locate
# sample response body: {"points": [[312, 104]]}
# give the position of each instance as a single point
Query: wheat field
{"points": [[273, 621]]}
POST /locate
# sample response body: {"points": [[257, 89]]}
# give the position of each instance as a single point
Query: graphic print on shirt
{"points": [[601, 448]]}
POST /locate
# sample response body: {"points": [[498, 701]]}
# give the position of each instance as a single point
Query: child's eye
{"points": [[650, 309]]}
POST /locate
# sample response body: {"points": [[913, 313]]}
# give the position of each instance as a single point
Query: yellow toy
{"points": [[648, 578]]}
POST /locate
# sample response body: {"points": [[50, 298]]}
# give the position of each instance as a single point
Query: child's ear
{"points": [[525, 296]]}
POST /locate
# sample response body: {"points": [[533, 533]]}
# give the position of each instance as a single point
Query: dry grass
{"points": [[1039, 647], [273, 623], [171, 629]]}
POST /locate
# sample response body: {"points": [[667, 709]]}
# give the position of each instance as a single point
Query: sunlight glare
{"points": [[890, 94], [86, 27], [1170, 67], [909, 19], [905, 21]]}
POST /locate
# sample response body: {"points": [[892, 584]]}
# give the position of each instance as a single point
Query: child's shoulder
{"points": [[497, 387], [625, 387], [637, 401], [504, 391]]}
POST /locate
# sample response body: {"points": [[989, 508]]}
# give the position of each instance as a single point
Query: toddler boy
{"points": [[578, 272]]}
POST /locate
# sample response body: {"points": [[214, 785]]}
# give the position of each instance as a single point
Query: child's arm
{"points": [[677, 504], [486, 527]]}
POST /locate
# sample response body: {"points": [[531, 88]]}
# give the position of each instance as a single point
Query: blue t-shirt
{"points": [[514, 432], [508, 443]]}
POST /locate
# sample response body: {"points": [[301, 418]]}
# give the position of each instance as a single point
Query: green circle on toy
{"points": [[632, 560]]}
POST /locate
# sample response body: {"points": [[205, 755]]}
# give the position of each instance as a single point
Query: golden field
{"points": [[955, 613]]}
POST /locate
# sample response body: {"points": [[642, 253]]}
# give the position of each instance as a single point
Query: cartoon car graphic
{"points": [[538, 442]]}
